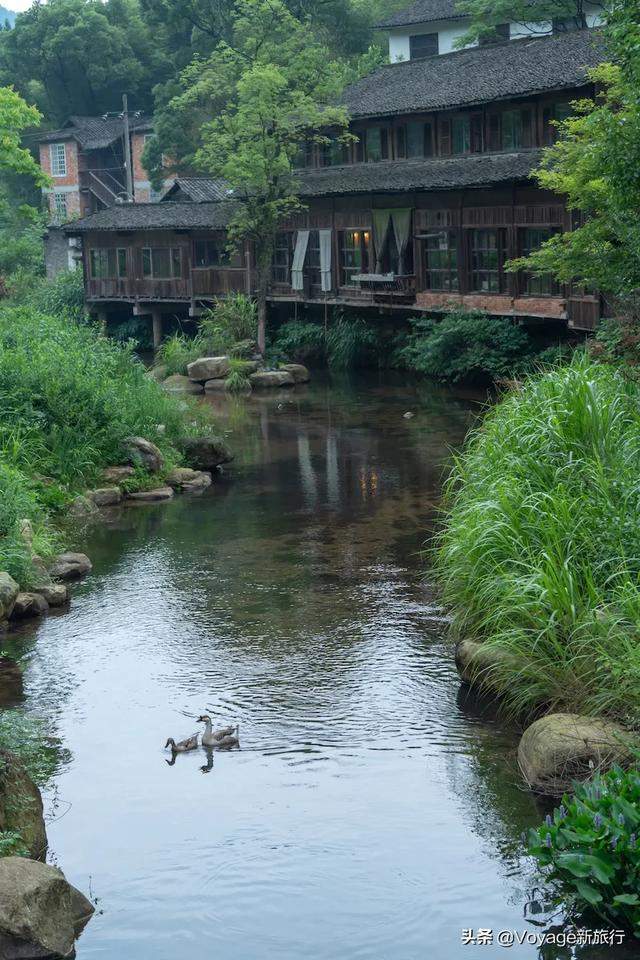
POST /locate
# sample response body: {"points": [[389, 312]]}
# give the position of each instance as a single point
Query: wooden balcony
{"points": [[218, 281]]}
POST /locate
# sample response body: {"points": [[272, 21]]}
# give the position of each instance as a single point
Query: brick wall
{"points": [[552, 307], [67, 186]]}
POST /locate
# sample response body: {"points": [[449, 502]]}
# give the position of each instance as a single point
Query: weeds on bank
{"points": [[539, 555]]}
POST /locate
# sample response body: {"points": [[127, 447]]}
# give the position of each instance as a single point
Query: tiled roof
{"points": [[94, 133], [401, 176], [198, 189], [422, 11], [156, 216], [515, 68]]}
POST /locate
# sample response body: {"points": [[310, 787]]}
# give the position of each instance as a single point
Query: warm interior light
{"points": [[356, 236]]}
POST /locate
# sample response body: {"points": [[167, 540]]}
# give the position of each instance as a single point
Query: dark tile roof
{"points": [[515, 68], [198, 189], [156, 216], [422, 11], [94, 133], [400, 176]]}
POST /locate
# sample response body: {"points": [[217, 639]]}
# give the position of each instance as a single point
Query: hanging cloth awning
{"points": [[401, 220], [380, 228], [299, 254], [325, 260]]}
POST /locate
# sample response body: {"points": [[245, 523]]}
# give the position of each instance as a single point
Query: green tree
{"points": [[532, 16], [595, 164], [248, 107], [15, 116], [80, 56]]}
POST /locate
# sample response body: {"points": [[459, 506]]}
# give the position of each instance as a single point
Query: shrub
{"points": [[540, 549], [230, 321], [590, 849], [62, 297], [465, 344], [345, 343], [178, 350]]}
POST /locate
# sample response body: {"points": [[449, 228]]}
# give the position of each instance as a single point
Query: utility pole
{"points": [[127, 148]]}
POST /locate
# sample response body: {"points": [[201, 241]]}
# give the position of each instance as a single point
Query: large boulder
{"points": [[562, 747], [21, 806], [56, 594], [105, 496], [184, 478], [9, 590], [478, 663], [144, 453], [205, 453], [176, 383], [269, 379], [116, 475], [298, 371], [29, 605], [41, 914], [209, 368], [70, 566]]}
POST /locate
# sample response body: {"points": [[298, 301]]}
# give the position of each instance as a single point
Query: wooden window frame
{"points": [[545, 286], [99, 257], [452, 268], [361, 242], [282, 258], [150, 274], [477, 269]]}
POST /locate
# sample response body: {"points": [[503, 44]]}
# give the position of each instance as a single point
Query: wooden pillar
{"points": [[156, 320]]}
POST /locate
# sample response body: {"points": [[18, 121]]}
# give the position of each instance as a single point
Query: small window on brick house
{"points": [[423, 45], [60, 206], [58, 155]]}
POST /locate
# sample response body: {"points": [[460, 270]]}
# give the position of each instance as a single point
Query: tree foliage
{"points": [[595, 164], [530, 16]]}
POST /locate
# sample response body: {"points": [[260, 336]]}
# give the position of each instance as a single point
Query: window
{"points": [[355, 249], [487, 249], [567, 24], [441, 261], [377, 144], [58, 155], [499, 33], [108, 263], [417, 138], [333, 154], [552, 114], [461, 135], [59, 207], [312, 259], [304, 157], [532, 239], [209, 253], [423, 45], [282, 257], [517, 129], [161, 263]]}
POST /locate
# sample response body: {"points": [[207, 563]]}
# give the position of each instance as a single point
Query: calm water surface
{"points": [[373, 811]]}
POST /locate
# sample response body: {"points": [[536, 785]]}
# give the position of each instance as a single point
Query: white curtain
{"points": [[299, 254], [325, 259]]}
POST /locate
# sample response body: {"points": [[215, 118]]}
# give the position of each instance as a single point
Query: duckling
{"points": [[191, 743], [216, 738]]}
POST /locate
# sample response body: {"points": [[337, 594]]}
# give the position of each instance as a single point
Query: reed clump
{"points": [[539, 554]]}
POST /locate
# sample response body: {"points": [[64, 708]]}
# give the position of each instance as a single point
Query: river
{"points": [[374, 810]]}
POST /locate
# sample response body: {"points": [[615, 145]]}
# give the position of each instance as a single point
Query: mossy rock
{"points": [[560, 748], [478, 663], [21, 805]]}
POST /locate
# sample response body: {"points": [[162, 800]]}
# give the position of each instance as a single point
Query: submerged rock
{"points": [[70, 566], [268, 379], [41, 914], [206, 453], [29, 605], [144, 453], [184, 478], [177, 383], [21, 807], [209, 368], [151, 496], [105, 496], [115, 475], [215, 386], [562, 747], [298, 371], [9, 590]]}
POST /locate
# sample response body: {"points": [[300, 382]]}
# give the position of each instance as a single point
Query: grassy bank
{"points": [[68, 399], [540, 552]]}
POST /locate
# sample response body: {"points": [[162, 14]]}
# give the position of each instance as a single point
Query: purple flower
{"points": [[547, 840], [548, 820], [597, 821]]}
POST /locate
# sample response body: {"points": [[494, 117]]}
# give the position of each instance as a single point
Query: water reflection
{"points": [[372, 812]]}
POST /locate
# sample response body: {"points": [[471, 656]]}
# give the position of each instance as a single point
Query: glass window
{"points": [[487, 249], [60, 206], [312, 259], [58, 154], [552, 114], [419, 139], [355, 248], [511, 130], [377, 139], [441, 261], [461, 135], [282, 255], [108, 263], [161, 263], [531, 239], [423, 45], [209, 253]]}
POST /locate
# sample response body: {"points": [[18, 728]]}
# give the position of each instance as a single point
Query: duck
{"points": [[218, 739], [191, 743]]}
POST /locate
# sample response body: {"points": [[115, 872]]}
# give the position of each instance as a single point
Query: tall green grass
{"points": [[540, 550]]}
